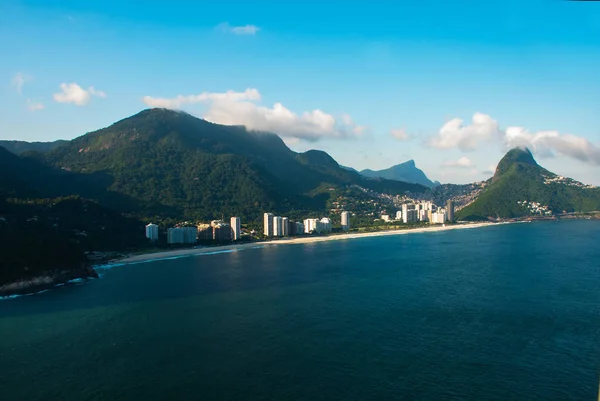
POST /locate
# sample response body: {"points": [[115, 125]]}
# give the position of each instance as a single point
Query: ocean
{"points": [[509, 312]]}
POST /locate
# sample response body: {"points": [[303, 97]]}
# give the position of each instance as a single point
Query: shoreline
{"points": [[180, 253]]}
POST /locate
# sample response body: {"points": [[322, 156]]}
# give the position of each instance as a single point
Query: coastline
{"points": [[155, 256], [45, 282]]}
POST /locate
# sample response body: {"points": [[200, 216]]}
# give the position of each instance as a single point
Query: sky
{"points": [[450, 84]]}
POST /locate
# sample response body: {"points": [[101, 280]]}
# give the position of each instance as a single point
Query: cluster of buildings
{"points": [[277, 226], [216, 230], [535, 207], [423, 212]]}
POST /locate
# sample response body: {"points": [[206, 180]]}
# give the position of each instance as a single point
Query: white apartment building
{"points": [[399, 215], [439, 217], [268, 224], [385, 217], [152, 232], [236, 228], [345, 223]]}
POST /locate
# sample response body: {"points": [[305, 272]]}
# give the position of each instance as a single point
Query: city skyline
{"points": [[436, 83]]}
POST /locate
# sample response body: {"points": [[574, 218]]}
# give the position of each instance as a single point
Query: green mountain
{"points": [[177, 165], [45, 230], [407, 172], [20, 147], [520, 187]]}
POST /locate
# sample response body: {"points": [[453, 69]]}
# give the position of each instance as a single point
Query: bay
{"points": [[495, 313]]}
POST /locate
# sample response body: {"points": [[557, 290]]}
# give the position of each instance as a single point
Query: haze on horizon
{"points": [[447, 84]]}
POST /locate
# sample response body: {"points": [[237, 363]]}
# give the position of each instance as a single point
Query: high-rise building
{"points": [[205, 232], [405, 215], [182, 235], [268, 223], [325, 225], [236, 228], [285, 226], [450, 210], [412, 216], [277, 226], [311, 225], [299, 228], [399, 215], [439, 217], [345, 221], [152, 232], [222, 231]]}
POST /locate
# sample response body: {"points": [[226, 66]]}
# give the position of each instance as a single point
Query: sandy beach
{"points": [[300, 240]]}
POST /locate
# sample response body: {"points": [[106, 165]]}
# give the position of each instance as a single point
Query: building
{"points": [[182, 235], [236, 228], [385, 217], [450, 210], [277, 226], [325, 225], [399, 215], [405, 215], [439, 217], [152, 232], [311, 225], [268, 224], [424, 215], [222, 231], [285, 226], [299, 228], [345, 223], [412, 216], [205, 232]]}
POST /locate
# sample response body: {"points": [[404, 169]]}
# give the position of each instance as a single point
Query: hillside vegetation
{"points": [[519, 178]]}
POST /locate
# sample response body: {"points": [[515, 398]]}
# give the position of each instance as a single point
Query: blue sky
{"points": [[333, 76]]}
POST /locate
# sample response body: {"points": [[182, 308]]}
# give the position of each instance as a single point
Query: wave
{"points": [[74, 281]]}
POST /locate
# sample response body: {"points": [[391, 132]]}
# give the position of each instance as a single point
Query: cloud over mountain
{"points": [[485, 130], [243, 108]]}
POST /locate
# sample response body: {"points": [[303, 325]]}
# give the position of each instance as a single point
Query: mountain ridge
{"points": [[521, 187], [406, 172]]}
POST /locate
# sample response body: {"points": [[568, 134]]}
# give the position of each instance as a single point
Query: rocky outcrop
{"points": [[46, 281]]}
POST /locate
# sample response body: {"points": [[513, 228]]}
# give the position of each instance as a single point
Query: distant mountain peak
{"points": [[406, 172]]}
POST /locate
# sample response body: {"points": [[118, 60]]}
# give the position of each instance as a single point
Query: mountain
{"points": [[407, 172], [19, 147], [180, 166], [521, 187], [45, 230]]}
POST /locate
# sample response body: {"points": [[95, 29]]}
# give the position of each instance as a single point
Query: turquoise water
{"points": [[509, 312]]}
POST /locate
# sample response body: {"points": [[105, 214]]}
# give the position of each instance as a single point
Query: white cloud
{"points": [[242, 108], [484, 129], [463, 162], [34, 105], [179, 101], [552, 143], [95, 92], [239, 30], [454, 134], [19, 80], [400, 134], [75, 94]]}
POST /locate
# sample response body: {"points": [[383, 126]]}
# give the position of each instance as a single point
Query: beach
{"points": [[290, 241]]}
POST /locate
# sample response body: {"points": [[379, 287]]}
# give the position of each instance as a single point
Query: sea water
{"points": [[494, 313]]}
